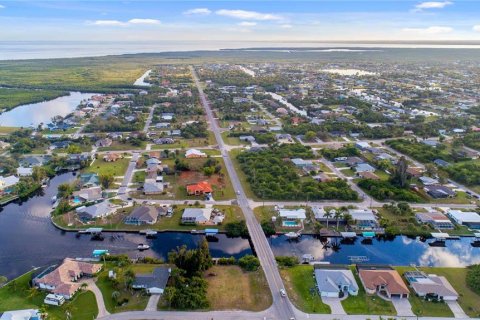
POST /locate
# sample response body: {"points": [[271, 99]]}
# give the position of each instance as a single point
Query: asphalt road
{"points": [[281, 305]]}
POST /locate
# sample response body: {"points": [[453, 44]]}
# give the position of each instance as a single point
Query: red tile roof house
{"points": [[63, 280], [386, 282], [199, 188]]}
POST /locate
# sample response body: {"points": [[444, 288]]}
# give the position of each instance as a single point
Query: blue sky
{"points": [[240, 20]]}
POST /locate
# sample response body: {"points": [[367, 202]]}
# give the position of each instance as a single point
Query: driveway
{"points": [[456, 309], [403, 307], [335, 304], [102, 311], [153, 302]]}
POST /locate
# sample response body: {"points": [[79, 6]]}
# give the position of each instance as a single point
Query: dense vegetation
{"points": [[384, 190], [473, 278], [11, 98], [465, 172], [345, 151], [472, 140], [418, 151], [272, 177], [195, 130]]}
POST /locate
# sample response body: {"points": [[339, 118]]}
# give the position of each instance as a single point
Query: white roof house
{"points": [[9, 181], [468, 218], [318, 212], [26, 314], [196, 215], [292, 214], [333, 282], [24, 172], [195, 153]]}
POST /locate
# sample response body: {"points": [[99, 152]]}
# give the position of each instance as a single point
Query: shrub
{"points": [[473, 278], [249, 263], [227, 261], [287, 261]]}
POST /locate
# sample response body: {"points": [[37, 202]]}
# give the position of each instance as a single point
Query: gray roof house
{"points": [[99, 210], [335, 281], [142, 215], [88, 194], [151, 186], [196, 215], [153, 283], [436, 287]]}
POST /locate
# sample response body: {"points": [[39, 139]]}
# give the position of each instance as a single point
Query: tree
{"points": [[169, 294], [400, 173], [3, 280], [430, 170], [348, 218], [106, 180], [65, 190], [115, 296], [473, 278], [249, 263], [73, 149], [328, 215], [310, 135], [338, 214], [38, 173]]}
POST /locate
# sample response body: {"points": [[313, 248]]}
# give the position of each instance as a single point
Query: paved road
{"points": [[282, 307], [149, 119], [122, 191]]}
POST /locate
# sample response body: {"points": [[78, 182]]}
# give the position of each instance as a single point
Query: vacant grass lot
{"points": [[229, 287], [117, 168], [21, 296], [300, 285]]}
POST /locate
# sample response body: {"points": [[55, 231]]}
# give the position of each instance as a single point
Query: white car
{"points": [[238, 192], [283, 293]]}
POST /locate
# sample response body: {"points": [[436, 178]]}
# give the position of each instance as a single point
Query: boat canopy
{"points": [[368, 234], [440, 235], [211, 231], [94, 230], [348, 234]]}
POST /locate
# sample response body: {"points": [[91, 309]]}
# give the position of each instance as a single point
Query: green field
{"points": [[11, 98], [117, 168]]}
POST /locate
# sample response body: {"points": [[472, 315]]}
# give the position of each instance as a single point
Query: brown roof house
{"points": [[384, 281], [111, 157], [63, 280]]}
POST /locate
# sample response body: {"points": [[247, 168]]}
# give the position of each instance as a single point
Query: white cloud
{"points": [[198, 11], [432, 5], [286, 26], [2, 6], [476, 28], [247, 24], [247, 15], [108, 23], [429, 30], [144, 21]]}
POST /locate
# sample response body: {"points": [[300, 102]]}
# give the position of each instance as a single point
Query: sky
{"points": [[239, 20]]}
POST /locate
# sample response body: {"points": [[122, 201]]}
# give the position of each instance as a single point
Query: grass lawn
{"points": [[232, 288], [137, 301], [406, 225], [83, 306], [7, 130], [243, 178], [232, 141], [139, 177], [119, 146], [117, 168], [367, 304], [300, 285]]}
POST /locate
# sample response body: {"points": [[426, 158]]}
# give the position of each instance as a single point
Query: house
{"points": [[194, 153], [436, 219], [441, 163], [335, 281], [111, 157], [164, 141], [300, 163], [151, 186], [24, 172], [199, 188], [99, 210], [414, 172], [63, 280], [466, 218], [4, 145], [437, 191], [318, 212], [87, 194], [162, 125], [349, 161], [385, 156], [292, 214], [88, 180], [362, 145], [153, 161], [78, 158], [60, 145], [431, 143], [368, 175], [33, 161], [431, 286], [364, 167], [364, 218], [107, 142], [250, 139], [7, 182], [142, 215], [284, 137], [25, 314], [167, 116], [153, 283], [384, 281], [196, 215], [427, 181]]}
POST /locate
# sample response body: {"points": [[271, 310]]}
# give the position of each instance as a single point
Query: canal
{"points": [[28, 239], [34, 114]]}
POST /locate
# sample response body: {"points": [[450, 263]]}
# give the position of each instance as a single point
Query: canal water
{"points": [[399, 251], [28, 239], [34, 114]]}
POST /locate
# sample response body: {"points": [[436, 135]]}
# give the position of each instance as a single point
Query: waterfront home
{"points": [[79, 158], [318, 213], [431, 287], [8, 182], [24, 172], [87, 195], [99, 210], [195, 153], [364, 219], [383, 281], [25, 314], [88, 180], [434, 218], [142, 215], [335, 281], [34, 161], [153, 283], [103, 143], [292, 214], [152, 186], [199, 188], [466, 218], [196, 215], [63, 280]]}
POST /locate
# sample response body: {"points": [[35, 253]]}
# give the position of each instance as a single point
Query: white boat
{"points": [[292, 235], [142, 247]]}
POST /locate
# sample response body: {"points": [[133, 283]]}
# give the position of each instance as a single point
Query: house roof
{"points": [[63, 274], [364, 167], [465, 216], [157, 279], [25, 314], [97, 210], [151, 185], [144, 213], [195, 152], [330, 280], [362, 214], [390, 278], [200, 187], [9, 181], [89, 194], [293, 213], [430, 284], [196, 213]]}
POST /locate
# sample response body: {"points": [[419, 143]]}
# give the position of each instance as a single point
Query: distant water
{"points": [[15, 50], [34, 114]]}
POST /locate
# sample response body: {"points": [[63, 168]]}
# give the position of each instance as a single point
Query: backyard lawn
{"points": [[300, 285], [117, 168], [229, 287], [21, 296]]}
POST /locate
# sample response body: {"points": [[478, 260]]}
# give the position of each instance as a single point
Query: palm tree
{"points": [[84, 286], [3, 280], [115, 296], [348, 218], [338, 214], [328, 215]]}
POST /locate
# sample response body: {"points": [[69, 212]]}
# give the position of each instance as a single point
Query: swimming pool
{"points": [[76, 200], [290, 224]]}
